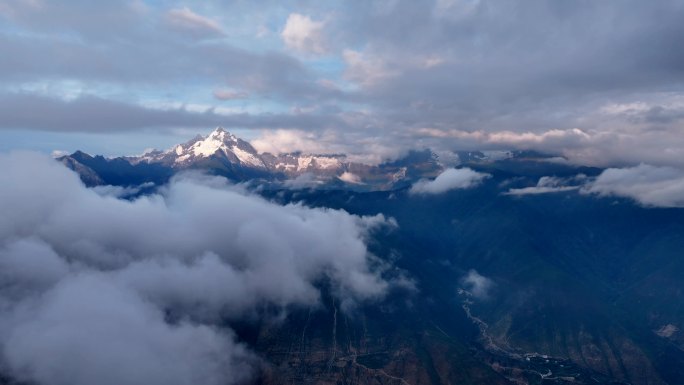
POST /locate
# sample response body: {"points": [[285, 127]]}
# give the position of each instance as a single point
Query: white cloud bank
{"points": [[303, 34], [101, 290], [350, 178], [450, 179], [650, 186]]}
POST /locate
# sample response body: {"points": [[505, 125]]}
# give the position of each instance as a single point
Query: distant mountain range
{"points": [[222, 153]]}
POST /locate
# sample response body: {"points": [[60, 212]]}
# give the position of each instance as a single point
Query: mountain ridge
{"points": [[224, 154]]}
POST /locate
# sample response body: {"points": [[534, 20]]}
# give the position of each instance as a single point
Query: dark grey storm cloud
{"points": [[516, 50], [523, 66], [519, 65], [150, 62], [95, 114], [88, 280]]}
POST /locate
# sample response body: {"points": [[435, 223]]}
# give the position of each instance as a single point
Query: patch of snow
{"points": [[220, 134], [326, 163], [285, 166], [207, 147], [304, 162], [399, 175], [182, 158], [246, 157]]}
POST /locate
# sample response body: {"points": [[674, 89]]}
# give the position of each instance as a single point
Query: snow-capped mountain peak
{"points": [[223, 136], [219, 143], [226, 154], [222, 153]]}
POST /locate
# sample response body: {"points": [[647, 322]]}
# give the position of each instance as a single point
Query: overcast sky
{"points": [[600, 82]]}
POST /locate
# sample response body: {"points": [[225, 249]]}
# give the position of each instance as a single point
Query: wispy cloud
{"points": [[224, 94], [477, 285], [184, 19], [550, 184]]}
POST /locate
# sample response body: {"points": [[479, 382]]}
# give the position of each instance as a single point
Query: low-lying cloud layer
{"points": [[102, 290], [648, 185], [449, 179]]}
